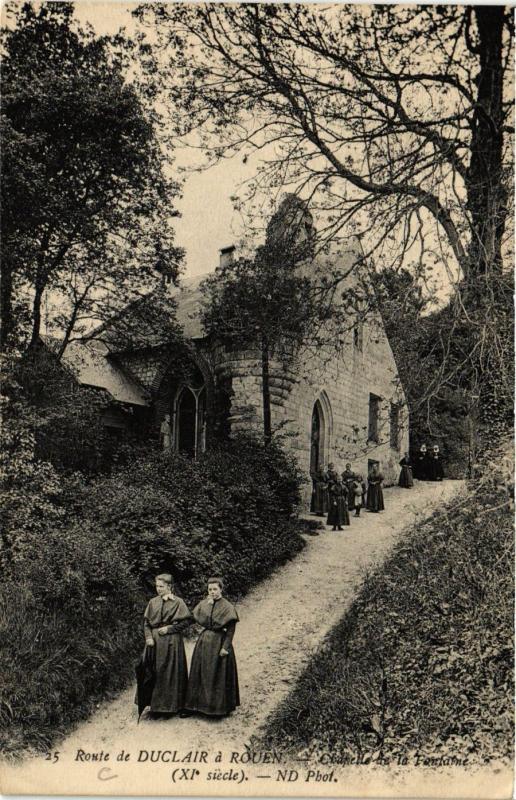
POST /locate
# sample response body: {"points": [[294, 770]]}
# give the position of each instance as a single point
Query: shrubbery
{"points": [[227, 513], [69, 615], [79, 559], [423, 660]]}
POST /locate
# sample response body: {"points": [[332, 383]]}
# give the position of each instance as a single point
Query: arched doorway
{"points": [[321, 429], [315, 439], [187, 422]]}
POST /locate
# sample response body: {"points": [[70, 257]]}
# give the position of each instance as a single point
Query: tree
{"points": [[394, 121], [265, 302], [86, 205], [395, 110]]}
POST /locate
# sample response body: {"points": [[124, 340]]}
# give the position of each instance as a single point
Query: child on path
{"points": [[358, 490]]}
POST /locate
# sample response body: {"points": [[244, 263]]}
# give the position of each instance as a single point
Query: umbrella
{"points": [[145, 679]]}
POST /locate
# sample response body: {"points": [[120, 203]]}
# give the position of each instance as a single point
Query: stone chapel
{"points": [[343, 409]]}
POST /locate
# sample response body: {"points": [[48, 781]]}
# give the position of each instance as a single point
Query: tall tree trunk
{"points": [[6, 304], [486, 297], [487, 200], [36, 319], [266, 391]]}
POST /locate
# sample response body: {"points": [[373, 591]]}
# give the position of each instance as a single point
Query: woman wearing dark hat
{"points": [[374, 490], [213, 682], [165, 618], [406, 481]]}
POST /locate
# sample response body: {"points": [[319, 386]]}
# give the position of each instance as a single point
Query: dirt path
{"points": [[275, 637]]}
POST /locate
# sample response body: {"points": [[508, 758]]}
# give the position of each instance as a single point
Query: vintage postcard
{"points": [[257, 400]]}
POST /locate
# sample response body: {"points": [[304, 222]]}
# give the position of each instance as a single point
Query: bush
{"points": [[423, 659], [227, 513], [69, 616], [67, 418], [79, 559]]}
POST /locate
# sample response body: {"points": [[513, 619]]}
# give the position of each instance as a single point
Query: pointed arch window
{"points": [[190, 420]]}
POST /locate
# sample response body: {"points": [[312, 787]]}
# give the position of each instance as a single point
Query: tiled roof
{"points": [[91, 366]]}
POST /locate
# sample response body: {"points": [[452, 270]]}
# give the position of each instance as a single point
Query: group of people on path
{"points": [[163, 682], [336, 495], [426, 466]]}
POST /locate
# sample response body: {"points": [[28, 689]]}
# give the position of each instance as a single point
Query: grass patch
{"points": [[423, 659]]}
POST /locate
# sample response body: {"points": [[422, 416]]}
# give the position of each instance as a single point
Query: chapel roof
{"points": [[90, 364], [93, 363]]}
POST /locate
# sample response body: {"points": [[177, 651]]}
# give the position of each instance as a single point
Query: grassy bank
{"points": [[423, 660]]}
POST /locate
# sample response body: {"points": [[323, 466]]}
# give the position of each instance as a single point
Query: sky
{"points": [[208, 221]]}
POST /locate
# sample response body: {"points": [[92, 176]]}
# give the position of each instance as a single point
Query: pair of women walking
{"points": [[212, 686]]}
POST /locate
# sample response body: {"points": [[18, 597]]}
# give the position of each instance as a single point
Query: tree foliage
{"points": [[270, 302], [450, 401], [395, 122], [86, 204], [399, 112]]}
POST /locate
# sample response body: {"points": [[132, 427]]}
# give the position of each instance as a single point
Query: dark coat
{"points": [[171, 673], [406, 480], [420, 467], [213, 682], [320, 496], [145, 680], [374, 492], [349, 478], [338, 513], [435, 471]]}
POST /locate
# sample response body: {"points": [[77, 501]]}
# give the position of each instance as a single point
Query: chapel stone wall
{"points": [[343, 381]]}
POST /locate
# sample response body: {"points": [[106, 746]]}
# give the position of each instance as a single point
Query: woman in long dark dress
{"points": [[435, 471], [338, 513], [213, 681], [321, 493], [348, 477], [406, 480], [165, 618], [374, 490], [421, 464]]}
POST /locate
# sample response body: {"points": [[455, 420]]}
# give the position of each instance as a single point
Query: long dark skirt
{"points": [[374, 497], [169, 692], [406, 480], [312, 500], [421, 468], [351, 498], [213, 682], [435, 470], [321, 498], [338, 514]]}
